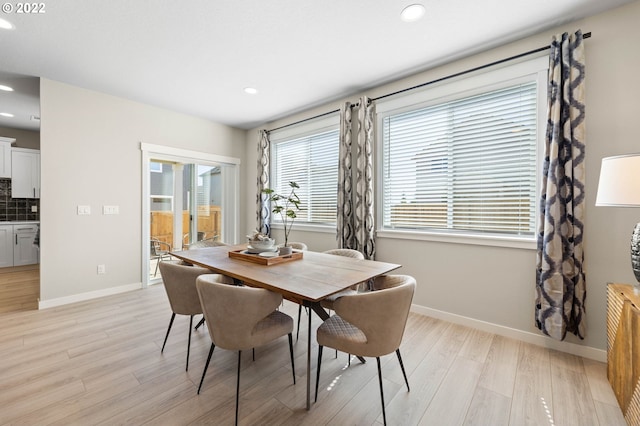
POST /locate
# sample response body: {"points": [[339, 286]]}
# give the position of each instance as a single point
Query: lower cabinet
{"points": [[6, 246], [24, 252], [16, 245]]}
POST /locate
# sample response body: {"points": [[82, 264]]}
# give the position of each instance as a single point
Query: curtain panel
{"points": [[560, 274], [263, 212], [344, 220], [364, 209]]}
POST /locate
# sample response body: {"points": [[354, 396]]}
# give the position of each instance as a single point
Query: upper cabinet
{"points": [[5, 157], [25, 173]]}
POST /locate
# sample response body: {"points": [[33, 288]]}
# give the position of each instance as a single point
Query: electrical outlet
{"points": [[102, 269], [34, 209], [84, 209]]}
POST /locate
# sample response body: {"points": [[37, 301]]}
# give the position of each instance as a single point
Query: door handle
{"points": [[16, 239]]}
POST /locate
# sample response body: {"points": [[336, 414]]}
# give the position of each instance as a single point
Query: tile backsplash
{"points": [[16, 208]]}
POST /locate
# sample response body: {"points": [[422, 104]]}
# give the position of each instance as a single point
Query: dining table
{"points": [[305, 278]]}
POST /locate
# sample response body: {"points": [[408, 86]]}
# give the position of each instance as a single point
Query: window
{"points": [[310, 160], [464, 163]]}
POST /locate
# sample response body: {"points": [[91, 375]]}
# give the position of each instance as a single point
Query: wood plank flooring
{"points": [[99, 362], [19, 288]]}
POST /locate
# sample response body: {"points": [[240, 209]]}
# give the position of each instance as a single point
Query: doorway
{"points": [[187, 199]]}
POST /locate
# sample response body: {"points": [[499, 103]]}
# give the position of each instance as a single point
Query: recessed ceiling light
{"points": [[5, 25], [6, 114], [412, 12], [6, 88], [250, 90]]}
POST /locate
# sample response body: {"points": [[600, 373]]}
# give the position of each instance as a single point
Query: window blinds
{"points": [[312, 162], [467, 164]]}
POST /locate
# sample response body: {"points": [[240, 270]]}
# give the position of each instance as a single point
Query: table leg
{"points": [[309, 364]]}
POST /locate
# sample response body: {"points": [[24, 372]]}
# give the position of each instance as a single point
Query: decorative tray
{"points": [[262, 260]]}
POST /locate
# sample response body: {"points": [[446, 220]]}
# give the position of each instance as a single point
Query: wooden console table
{"points": [[623, 348]]}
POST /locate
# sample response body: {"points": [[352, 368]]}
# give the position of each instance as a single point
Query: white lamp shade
{"points": [[619, 181]]}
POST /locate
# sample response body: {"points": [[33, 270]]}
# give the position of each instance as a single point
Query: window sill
{"points": [[480, 240]]}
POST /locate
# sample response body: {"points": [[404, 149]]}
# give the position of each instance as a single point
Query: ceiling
{"points": [[196, 56]]}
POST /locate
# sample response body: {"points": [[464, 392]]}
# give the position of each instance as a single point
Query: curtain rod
{"points": [[511, 58]]}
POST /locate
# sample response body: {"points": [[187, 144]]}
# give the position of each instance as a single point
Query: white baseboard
{"points": [[43, 304], [536, 339]]}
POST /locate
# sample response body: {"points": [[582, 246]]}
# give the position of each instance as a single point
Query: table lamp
{"points": [[619, 186]]}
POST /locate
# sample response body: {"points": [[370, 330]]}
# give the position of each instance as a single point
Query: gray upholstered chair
{"points": [[180, 284], [206, 243], [298, 245], [328, 302], [241, 318], [370, 324]]}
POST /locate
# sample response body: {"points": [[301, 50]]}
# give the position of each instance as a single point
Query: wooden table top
{"points": [[312, 278]]}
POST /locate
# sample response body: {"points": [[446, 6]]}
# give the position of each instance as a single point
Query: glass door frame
{"points": [[230, 196]]}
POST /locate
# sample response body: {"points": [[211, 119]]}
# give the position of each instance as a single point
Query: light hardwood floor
{"points": [[99, 362], [19, 288]]}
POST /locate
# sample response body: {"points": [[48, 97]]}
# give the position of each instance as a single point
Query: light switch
{"points": [[110, 210], [34, 209], [84, 210]]}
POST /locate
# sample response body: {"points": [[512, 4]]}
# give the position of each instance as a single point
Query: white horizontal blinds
{"points": [[312, 162], [467, 164]]}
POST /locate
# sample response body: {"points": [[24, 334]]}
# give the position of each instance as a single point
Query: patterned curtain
{"points": [[344, 221], [263, 211], [363, 218], [560, 276]]}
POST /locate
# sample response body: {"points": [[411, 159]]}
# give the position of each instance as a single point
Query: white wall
{"points": [[497, 285], [90, 153]]}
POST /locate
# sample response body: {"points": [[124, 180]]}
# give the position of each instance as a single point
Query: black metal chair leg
{"points": [[293, 367], [238, 386], [318, 371], [299, 315], [206, 365], [200, 323], [173, 316], [384, 415], [253, 354], [189, 341], [402, 367]]}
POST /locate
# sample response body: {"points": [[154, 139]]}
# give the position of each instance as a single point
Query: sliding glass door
{"points": [[187, 202]]}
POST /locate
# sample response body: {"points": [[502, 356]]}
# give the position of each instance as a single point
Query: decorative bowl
{"points": [[262, 244]]}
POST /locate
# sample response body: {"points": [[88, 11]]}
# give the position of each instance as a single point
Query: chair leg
{"points": [[189, 341], [253, 354], [293, 367], [206, 365], [238, 386], [318, 371], [402, 367], [384, 415], [299, 315], [173, 316], [157, 264], [200, 323]]}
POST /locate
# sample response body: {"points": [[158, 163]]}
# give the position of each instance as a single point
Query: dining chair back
{"points": [[241, 318], [206, 243], [370, 324], [328, 302], [180, 284]]}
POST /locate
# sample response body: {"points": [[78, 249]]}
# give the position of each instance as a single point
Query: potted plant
{"points": [[287, 207]]}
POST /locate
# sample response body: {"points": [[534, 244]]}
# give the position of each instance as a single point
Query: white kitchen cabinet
{"points": [[25, 173], [6, 246], [24, 252], [5, 157]]}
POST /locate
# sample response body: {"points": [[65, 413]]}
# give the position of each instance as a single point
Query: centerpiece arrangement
{"points": [[287, 207]]}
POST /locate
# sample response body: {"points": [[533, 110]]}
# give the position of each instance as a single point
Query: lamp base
{"points": [[635, 252]]}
